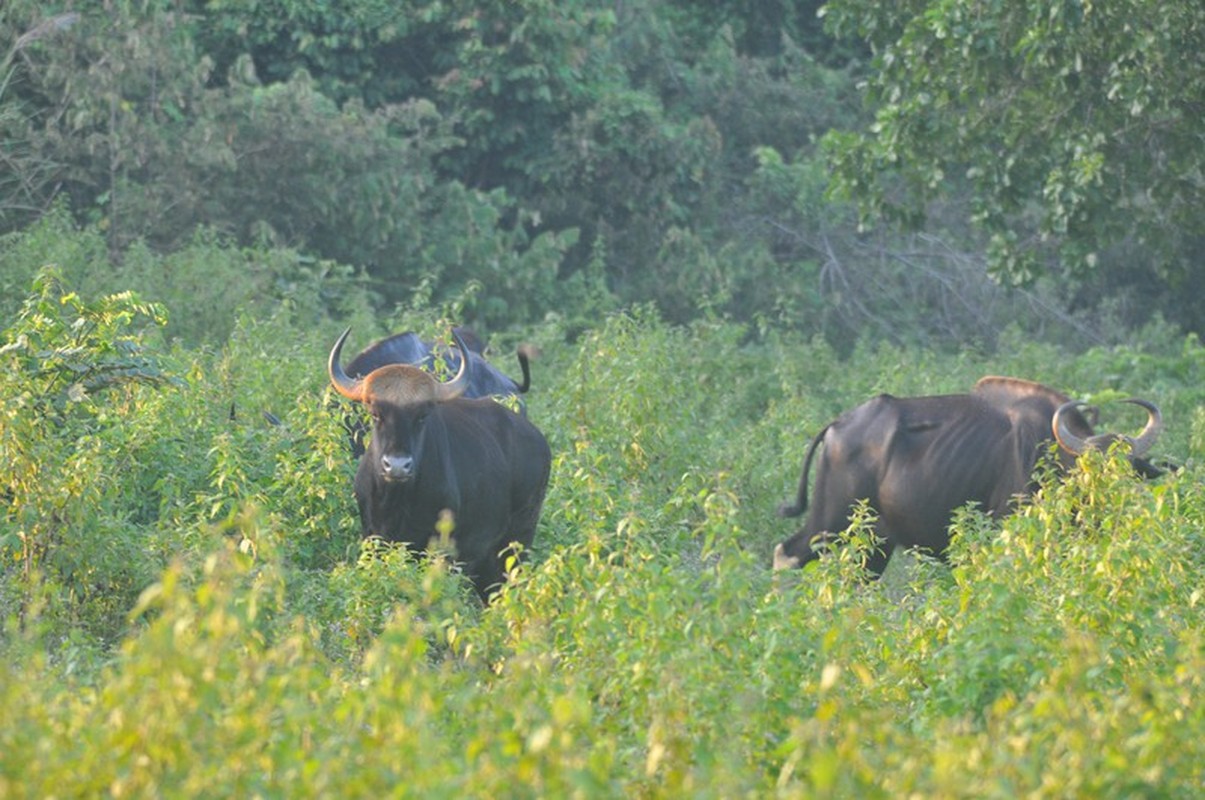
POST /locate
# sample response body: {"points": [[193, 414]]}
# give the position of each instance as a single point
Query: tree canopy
{"points": [[536, 157], [1072, 129]]}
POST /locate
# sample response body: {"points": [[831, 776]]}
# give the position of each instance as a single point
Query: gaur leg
{"points": [[879, 556]]}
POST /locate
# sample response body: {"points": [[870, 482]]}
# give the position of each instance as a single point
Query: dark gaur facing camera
{"points": [[437, 455]]}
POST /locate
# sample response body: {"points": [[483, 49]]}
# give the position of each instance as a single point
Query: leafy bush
{"points": [[205, 286], [644, 649], [71, 371]]}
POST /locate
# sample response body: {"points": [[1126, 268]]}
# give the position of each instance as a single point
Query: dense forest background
{"points": [[852, 170]]}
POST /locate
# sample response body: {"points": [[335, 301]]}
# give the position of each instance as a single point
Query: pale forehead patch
{"points": [[401, 385]]}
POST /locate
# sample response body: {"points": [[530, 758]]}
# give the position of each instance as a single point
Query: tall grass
{"points": [[198, 618]]}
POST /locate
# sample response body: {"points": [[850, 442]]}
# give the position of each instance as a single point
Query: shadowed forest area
{"points": [[839, 173], [720, 225]]}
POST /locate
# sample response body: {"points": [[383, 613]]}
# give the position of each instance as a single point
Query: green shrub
{"points": [[645, 648], [205, 286], [72, 370]]}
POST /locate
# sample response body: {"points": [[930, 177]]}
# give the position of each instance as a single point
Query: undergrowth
{"points": [[188, 609]]}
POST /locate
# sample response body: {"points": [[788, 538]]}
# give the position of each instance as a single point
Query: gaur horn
{"points": [[1139, 445], [1143, 442], [353, 389], [459, 384]]}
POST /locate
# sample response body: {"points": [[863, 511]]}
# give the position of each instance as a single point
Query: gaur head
{"points": [[400, 398], [1139, 445]]}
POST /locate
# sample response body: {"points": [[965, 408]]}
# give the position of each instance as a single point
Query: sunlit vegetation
{"points": [[188, 610]]}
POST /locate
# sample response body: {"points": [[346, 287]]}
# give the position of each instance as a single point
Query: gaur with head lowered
{"points": [[915, 460]]}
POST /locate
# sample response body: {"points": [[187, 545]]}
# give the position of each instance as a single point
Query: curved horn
{"points": [[457, 386], [1139, 445], [1063, 435], [351, 388], [1143, 442]]}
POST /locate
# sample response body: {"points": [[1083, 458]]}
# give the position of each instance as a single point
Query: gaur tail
{"points": [[526, 352], [800, 505]]}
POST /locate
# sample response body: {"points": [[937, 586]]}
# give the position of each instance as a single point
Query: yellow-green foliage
{"points": [[198, 618]]}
